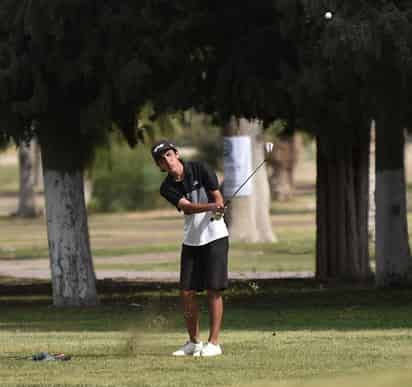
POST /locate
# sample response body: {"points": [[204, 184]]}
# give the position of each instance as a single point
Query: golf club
{"points": [[268, 150]]}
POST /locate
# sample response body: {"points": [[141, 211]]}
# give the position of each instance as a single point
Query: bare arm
{"points": [[217, 198], [194, 208]]}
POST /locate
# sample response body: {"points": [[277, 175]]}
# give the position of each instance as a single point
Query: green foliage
{"points": [[229, 56], [283, 59], [75, 67], [350, 67], [211, 151], [159, 125], [202, 133], [360, 60], [4, 141], [186, 128], [125, 179], [275, 129]]}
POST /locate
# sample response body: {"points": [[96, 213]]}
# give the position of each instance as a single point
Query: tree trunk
{"points": [[88, 190], [282, 164], [72, 272], [248, 215], [38, 171], [393, 261], [261, 193], [27, 207], [372, 184], [342, 213]]}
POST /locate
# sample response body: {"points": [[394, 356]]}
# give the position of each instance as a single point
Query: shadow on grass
{"points": [[281, 305], [313, 309]]}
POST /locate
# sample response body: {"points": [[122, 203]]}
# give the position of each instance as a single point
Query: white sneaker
{"points": [[189, 349], [210, 350]]}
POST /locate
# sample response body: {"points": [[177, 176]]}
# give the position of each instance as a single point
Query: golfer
{"points": [[192, 187]]}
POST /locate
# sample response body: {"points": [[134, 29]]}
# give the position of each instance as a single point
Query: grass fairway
{"points": [[278, 335]]}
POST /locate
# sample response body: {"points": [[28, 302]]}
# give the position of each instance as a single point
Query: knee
{"points": [[213, 294], [187, 293]]}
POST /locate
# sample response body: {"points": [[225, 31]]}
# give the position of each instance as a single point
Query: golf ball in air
{"points": [[328, 15]]}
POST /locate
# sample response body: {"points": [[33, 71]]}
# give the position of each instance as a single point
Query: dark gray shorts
{"points": [[205, 267]]}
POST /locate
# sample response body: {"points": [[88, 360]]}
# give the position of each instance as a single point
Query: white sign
{"points": [[237, 159]]}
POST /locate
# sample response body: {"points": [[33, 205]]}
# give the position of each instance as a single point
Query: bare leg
{"points": [[215, 302], [191, 314]]}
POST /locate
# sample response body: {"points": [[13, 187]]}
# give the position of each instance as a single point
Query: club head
{"points": [[268, 148]]}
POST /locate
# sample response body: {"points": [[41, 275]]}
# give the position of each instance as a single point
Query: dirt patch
{"points": [[8, 159]]}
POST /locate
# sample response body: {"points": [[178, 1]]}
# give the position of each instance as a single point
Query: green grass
{"points": [[9, 178], [117, 235], [280, 336], [304, 203], [294, 255], [41, 252], [284, 334]]}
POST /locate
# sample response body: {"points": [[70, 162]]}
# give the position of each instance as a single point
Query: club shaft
{"points": [[250, 176], [236, 192]]}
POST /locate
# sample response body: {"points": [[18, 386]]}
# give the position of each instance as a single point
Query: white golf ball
{"points": [[328, 15]]}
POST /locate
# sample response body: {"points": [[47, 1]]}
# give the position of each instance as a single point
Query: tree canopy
{"points": [[359, 66], [284, 59], [75, 68], [232, 59]]}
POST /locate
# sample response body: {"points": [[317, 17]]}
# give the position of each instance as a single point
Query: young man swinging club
{"points": [[193, 188]]}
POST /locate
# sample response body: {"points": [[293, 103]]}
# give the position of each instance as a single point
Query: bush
{"points": [[125, 179], [205, 136]]}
